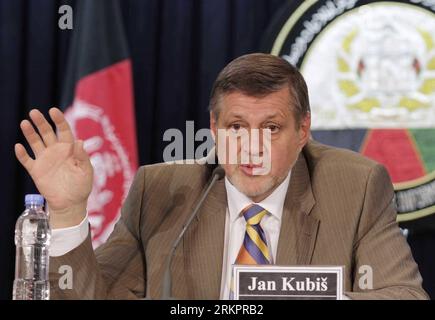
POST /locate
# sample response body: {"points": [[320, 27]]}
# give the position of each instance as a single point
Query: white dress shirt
{"points": [[66, 239], [235, 226]]}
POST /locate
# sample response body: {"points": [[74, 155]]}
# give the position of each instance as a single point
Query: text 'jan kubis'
{"points": [[279, 283], [289, 284]]}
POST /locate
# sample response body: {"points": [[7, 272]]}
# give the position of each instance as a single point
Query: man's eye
{"points": [[235, 127], [273, 128]]}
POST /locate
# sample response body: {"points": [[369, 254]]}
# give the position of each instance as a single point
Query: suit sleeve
{"points": [[381, 247], [116, 269]]}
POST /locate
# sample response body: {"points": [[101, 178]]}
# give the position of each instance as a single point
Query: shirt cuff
{"points": [[64, 240]]}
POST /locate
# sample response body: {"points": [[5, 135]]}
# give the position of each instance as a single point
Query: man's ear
{"points": [[305, 130], [213, 125]]}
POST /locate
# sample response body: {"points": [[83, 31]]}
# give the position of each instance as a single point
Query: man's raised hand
{"points": [[61, 169]]}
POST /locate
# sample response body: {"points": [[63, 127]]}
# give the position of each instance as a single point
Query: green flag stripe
{"points": [[425, 141]]}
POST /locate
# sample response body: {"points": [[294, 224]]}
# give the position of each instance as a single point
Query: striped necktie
{"points": [[254, 249]]}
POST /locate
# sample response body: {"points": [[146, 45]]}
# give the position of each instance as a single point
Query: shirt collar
{"points": [[274, 203]]}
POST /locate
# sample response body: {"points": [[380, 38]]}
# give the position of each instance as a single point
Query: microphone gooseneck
{"points": [[218, 174]]}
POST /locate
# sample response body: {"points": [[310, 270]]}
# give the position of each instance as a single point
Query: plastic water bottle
{"points": [[32, 240]]}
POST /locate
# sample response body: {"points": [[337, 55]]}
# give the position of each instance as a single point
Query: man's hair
{"points": [[259, 75]]}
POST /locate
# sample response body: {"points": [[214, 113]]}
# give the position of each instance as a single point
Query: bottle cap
{"points": [[34, 199]]}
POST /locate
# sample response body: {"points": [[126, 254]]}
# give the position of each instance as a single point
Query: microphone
{"points": [[218, 174]]}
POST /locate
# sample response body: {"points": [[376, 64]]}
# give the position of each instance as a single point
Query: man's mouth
{"points": [[249, 168], [251, 165]]}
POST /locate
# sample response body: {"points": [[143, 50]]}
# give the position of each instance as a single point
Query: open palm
{"points": [[61, 170]]}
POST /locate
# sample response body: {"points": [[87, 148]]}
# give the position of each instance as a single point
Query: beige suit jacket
{"points": [[338, 211]]}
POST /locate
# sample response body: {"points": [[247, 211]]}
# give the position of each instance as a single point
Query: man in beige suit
{"points": [[324, 206]]}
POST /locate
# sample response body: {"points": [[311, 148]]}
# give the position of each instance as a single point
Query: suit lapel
{"points": [[204, 246], [298, 228]]}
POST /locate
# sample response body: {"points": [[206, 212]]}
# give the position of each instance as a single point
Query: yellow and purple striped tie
{"points": [[254, 249]]}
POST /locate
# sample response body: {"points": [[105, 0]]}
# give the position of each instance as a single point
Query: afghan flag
{"points": [[99, 106]]}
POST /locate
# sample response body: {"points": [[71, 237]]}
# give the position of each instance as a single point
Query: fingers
{"points": [[23, 157], [44, 128], [79, 152], [32, 137], [64, 133]]}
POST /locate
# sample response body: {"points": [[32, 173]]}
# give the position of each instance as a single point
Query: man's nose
{"points": [[256, 143], [252, 143]]}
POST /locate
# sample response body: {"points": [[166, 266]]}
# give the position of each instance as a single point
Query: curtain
{"points": [[177, 49]]}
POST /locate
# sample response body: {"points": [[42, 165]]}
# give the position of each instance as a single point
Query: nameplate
{"points": [[266, 282]]}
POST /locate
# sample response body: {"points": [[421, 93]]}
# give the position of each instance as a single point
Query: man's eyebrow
{"points": [[274, 115]]}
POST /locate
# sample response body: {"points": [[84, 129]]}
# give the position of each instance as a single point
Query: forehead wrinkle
{"points": [[268, 116]]}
